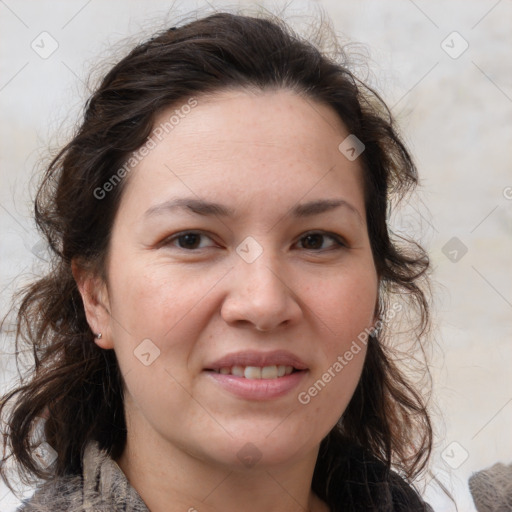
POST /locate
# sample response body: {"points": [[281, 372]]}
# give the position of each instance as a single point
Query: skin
{"points": [[260, 153]]}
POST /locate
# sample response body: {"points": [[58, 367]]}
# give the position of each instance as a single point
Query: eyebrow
{"points": [[208, 208]]}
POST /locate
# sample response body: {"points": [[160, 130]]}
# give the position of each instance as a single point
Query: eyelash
{"points": [[338, 240]]}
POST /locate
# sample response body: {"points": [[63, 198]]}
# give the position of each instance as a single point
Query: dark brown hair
{"points": [[75, 385]]}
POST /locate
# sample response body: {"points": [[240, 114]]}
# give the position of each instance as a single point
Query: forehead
{"points": [[241, 146], [254, 122]]}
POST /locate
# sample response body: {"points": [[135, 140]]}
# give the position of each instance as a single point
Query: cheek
{"points": [[154, 325], [346, 305], [170, 308], [152, 302]]}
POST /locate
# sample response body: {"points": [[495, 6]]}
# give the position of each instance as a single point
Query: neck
{"points": [[169, 479]]}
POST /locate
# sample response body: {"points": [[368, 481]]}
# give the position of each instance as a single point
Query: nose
{"points": [[260, 296]]}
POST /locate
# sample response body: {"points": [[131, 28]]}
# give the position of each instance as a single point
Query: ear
{"points": [[94, 294]]}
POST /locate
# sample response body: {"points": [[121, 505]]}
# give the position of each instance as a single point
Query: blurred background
{"points": [[442, 67]]}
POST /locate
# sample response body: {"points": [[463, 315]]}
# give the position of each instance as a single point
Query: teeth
{"points": [[252, 372], [238, 371], [256, 372], [269, 372]]}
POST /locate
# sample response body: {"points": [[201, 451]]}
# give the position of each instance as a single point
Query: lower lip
{"points": [[258, 389]]}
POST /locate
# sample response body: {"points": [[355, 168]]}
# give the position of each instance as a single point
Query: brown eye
{"points": [[187, 240], [314, 241]]}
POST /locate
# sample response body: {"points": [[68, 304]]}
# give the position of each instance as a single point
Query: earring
{"points": [[377, 327], [99, 335]]}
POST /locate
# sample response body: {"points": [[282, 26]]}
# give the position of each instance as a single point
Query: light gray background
{"points": [[455, 113]]}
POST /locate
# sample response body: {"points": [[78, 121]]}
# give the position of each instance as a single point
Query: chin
{"points": [[259, 451]]}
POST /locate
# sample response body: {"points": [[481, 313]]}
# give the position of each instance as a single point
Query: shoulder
{"points": [[404, 497], [491, 488], [390, 491], [57, 495], [362, 483], [101, 487]]}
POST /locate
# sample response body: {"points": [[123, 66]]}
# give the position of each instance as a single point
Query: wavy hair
{"points": [[74, 389]]}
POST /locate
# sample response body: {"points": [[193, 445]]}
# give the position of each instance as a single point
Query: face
{"points": [[205, 299]]}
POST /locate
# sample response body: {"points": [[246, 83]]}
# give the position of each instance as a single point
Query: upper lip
{"points": [[254, 358]]}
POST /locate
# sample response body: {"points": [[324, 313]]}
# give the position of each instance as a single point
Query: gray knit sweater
{"points": [[492, 489], [102, 487]]}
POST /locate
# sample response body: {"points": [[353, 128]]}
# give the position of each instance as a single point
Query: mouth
{"points": [[257, 372], [258, 375], [258, 365]]}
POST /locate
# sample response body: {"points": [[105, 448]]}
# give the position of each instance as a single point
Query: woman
{"points": [[214, 332]]}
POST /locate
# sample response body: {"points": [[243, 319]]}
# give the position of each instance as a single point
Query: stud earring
{"points": [[377, 327], [99, 335]]}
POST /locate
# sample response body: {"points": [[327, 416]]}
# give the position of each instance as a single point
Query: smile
{"points": [[256, 372]]}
